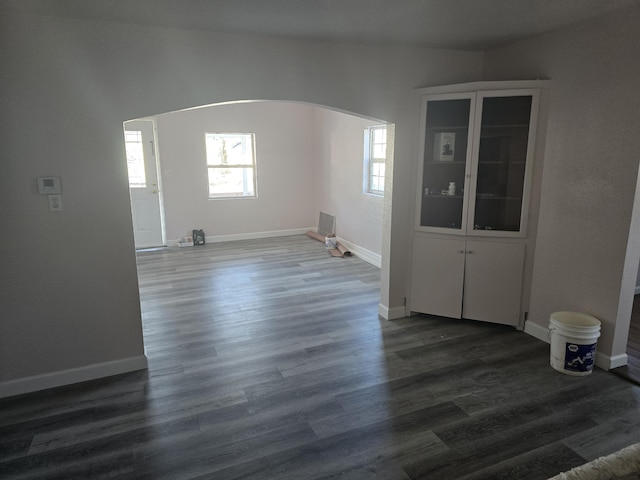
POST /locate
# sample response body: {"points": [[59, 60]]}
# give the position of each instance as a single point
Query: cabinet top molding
{"points": [[484, 86]]}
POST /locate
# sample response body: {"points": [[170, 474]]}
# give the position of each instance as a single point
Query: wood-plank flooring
{"points": [[267, 360]]}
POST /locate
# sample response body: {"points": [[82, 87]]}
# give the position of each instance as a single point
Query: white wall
{"points": [[582, 261], [286, 154], [340, 180], [68, 282]]}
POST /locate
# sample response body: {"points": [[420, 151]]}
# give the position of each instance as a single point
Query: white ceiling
{"points": [[458, 24]]}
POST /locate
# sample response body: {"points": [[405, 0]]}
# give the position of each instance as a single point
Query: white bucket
{"points": [[573, 342]]}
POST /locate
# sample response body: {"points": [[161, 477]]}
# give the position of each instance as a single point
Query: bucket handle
{"points": [[552, 329]]}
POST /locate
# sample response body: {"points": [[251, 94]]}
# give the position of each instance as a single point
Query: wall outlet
{"points": [[55, 203]]}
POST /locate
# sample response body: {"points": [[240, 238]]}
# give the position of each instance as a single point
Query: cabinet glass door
{"points": [[445, 163], [502, 163]]}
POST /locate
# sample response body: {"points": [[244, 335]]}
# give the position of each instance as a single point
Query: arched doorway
{"points": [[309, 158]]}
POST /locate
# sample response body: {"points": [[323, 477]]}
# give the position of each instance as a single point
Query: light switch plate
{"points": [[48, 185], [55, 203]]}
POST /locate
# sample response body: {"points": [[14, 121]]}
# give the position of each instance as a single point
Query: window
{"points": [[231, 165], [375, 155], [135, 158]]}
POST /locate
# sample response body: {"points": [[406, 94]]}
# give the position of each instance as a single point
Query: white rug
{"points": [[621, 465]]}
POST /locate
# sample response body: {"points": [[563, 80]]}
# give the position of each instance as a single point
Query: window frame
{"points": [[138, 163], [370, 160], [252, 166]]}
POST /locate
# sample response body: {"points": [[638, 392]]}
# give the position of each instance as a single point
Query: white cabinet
{"points": [[472, 200], [473, 279]]}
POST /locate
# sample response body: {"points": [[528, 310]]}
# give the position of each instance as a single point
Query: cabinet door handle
{"points": [[469, 251], [460, 251]]}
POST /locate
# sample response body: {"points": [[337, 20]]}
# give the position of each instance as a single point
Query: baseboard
{"points": [[606, 362], [366, 255], [74, 375], [637, 290], [537, 331], [613, 362], [391, 313], [248, 236]]}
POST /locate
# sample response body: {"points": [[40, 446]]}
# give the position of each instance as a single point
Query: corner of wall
{"points": [[391, 313]]}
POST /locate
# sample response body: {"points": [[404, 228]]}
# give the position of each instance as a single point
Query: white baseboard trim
{"points": [[74, 375], [366, 255], [612, 362], [606, 362], [248, 236], [537, 331], [391, 313]]}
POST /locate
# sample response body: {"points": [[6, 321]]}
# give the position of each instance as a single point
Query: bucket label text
{"points": [[579, 358]]}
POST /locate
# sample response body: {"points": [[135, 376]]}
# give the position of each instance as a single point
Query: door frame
{"points": [[159, 185]]}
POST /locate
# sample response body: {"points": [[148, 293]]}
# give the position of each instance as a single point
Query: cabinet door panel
{"points": [[501, 160], [444, 169], [493, 282], [437, 276]]}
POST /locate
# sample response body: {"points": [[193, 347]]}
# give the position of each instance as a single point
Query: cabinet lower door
{"points": [[493, 282], [437, 276]]}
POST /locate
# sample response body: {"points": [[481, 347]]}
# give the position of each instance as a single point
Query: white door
{"points": [[437, 276], [143, 183]]}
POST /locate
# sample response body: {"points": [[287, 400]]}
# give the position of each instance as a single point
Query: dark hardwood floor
{"points": [[267, 360]]}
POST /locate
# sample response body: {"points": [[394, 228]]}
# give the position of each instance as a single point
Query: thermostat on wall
{"points": [[48, 185]]}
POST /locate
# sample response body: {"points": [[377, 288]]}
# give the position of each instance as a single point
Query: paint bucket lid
{"points": [[575, 320]]}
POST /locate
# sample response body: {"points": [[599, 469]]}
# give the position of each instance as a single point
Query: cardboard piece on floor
{"points": [[315, 236], [326, 226], [344, 251], [339, 251]]}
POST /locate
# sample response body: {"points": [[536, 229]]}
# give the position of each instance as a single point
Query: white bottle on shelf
{"points": [[452, 188]]}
